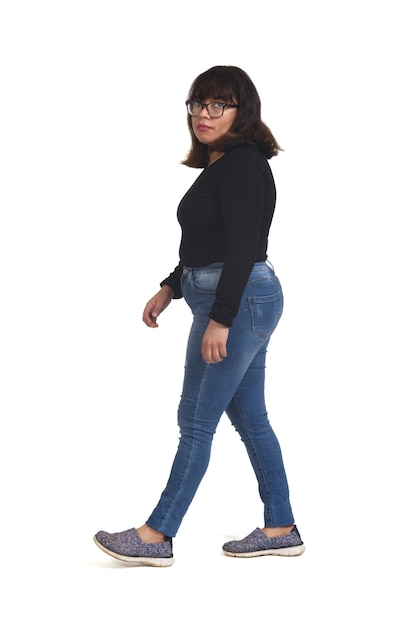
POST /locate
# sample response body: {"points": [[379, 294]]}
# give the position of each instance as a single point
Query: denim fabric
{"points": [[235, 386]]}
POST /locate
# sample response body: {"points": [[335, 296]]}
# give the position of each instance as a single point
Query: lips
{"points": [[203, 127]]}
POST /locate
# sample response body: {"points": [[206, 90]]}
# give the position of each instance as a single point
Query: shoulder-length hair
{"points": [[233, 86]]}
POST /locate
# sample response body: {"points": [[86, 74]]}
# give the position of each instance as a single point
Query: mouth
{"points": [[203, 127]]}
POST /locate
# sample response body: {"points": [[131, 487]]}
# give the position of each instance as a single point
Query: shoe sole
{"points": [[138, 560], [291, 551]]}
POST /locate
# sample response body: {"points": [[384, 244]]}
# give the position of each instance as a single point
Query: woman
{"points": [[236, 301]]}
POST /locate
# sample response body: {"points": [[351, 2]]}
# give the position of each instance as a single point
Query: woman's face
{"points": [[209, 129]]}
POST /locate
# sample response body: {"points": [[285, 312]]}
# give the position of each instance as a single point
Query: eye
{"points": [[218, 105]]}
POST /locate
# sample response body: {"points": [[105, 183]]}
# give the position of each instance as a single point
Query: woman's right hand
{"points": [[156, 305]]}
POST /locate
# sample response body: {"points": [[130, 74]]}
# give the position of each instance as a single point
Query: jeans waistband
{"points": [[257, 267]]}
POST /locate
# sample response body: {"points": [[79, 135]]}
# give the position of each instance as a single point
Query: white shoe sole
{"points": [[291, 551], [138, 560]]}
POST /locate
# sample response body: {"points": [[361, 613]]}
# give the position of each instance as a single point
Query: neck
{"points": [[214, 156]]}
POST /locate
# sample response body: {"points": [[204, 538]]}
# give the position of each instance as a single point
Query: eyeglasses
{"points": [[214, 109]]}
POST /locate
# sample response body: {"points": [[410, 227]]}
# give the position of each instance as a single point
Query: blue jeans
{"points": [[235, 386]]}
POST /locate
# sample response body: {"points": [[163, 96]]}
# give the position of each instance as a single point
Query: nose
{"points": [[204, 111]]}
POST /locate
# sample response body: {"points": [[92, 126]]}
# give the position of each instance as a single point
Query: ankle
{"points": [[277, 531], [150, 535]]}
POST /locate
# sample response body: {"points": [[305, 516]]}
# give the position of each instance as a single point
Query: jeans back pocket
{"points": [[265, 313]]}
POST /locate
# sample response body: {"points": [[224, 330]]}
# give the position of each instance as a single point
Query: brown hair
{"points": [[232, 85]]}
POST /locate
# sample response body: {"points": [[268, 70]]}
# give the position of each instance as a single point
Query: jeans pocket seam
{"points": [[253, 302]]}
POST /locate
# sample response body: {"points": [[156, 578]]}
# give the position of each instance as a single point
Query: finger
{"points": [[150, 323], [149, 317], [206, 354], [211, 355], [223, 352]]}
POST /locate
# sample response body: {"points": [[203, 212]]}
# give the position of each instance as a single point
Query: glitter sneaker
{"points": [[257, 544], [128, 546]]}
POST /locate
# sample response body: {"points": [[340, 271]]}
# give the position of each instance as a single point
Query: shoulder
{"points": [[244, 158], [244, 162], [246, 152]]}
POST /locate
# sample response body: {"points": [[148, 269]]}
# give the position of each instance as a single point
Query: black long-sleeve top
{"points": [[225, 216]]}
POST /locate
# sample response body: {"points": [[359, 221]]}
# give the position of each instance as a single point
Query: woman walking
{"points": [[236, 301]]}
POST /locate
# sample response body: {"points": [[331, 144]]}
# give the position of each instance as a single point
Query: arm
{"points": [[170, 288], [242, 196], [156, 305], [213, 345]]}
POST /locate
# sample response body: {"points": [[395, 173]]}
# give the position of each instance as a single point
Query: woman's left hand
{"points": [[213, 346]]}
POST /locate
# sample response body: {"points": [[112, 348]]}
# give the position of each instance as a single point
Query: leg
{"points": [[248, 414], [207, 390]]}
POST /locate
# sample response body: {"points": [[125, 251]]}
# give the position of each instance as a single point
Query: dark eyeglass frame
{"points": [[189, 103]]}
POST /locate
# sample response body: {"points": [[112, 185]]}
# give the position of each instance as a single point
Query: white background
{"points": [[93, 129]]}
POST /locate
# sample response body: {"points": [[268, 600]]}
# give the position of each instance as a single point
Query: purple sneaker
{"points": [[257, 544], [128, 546]]}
